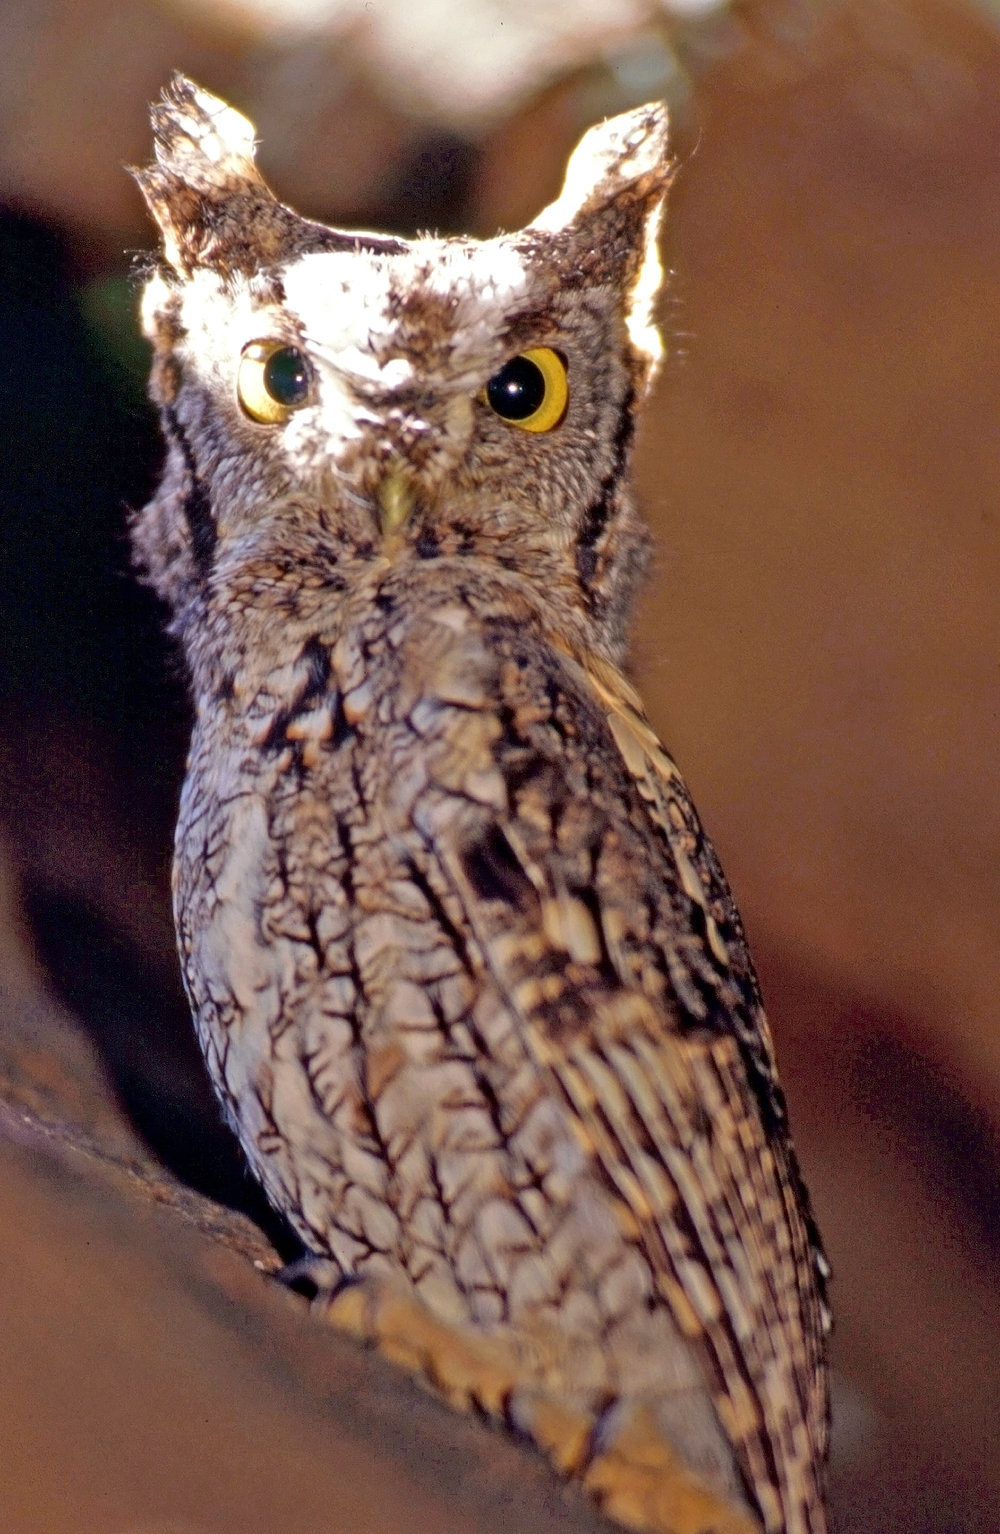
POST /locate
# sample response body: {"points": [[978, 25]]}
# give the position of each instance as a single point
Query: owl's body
{"points": [[468, 978]]}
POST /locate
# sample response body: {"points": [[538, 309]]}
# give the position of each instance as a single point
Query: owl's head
{"points": [[332, 399]]}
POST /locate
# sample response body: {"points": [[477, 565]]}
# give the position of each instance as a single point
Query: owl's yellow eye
{"points": [[531, 390], [273, 381]]}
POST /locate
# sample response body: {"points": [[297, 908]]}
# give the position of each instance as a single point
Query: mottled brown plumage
{"points": [[467, 974]]}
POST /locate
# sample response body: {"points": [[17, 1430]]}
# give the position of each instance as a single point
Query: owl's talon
{"points": [[639, 1478], [562, 1433], [316, 1279], [470, 1370]]}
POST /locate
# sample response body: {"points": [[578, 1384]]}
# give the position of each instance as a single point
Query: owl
{"points": [[467, 975]]}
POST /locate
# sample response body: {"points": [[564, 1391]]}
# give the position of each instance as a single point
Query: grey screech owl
{"points": [[469, 980]]}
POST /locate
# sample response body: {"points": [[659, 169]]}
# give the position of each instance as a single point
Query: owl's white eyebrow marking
{"points": [[342, 308], [350, 315], [359, 362]]}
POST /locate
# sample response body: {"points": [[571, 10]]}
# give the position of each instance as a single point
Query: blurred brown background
{"points": [[818, 644]]}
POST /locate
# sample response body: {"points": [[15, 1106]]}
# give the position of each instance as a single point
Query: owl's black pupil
{"points": [[517, 390], [286, 376]]}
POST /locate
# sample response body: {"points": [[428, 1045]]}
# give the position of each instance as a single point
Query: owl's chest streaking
{"points": [[394, 846]]}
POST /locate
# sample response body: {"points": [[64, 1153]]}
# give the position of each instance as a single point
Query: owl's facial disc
{"points": [[359, 395]]}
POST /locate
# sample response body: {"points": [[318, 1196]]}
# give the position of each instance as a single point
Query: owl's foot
{"points": [[470, 1370], [627, 1465], [639, 1479]]}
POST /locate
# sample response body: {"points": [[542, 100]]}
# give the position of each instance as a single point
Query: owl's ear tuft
{"points": [[212, 204], [201, 140], [205, 191], [624, 160], [603, 227]]}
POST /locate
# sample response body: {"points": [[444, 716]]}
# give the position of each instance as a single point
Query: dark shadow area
{"points": [[431, 190], [141, 1026], [83, 659], [935, 1126], [80, 444]]}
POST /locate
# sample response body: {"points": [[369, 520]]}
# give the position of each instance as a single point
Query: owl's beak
{"points": [[395, 500]]}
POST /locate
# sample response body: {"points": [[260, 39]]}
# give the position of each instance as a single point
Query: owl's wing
{"points": [[753, 1225], [639, 1002]]}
